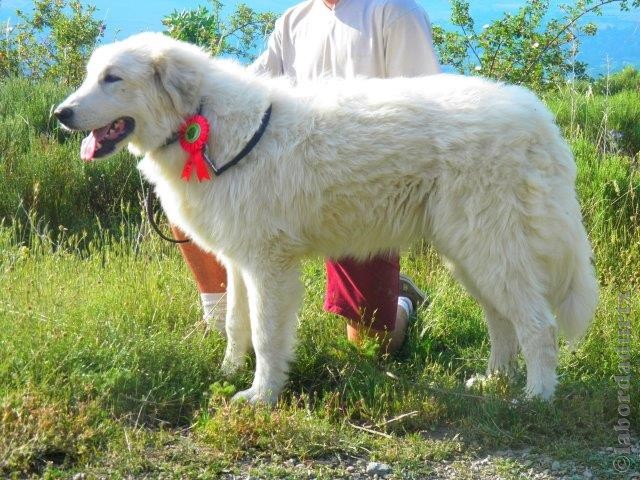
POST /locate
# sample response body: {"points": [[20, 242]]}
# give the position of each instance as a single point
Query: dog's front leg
{"points": [[274, 298], [238, 325]]}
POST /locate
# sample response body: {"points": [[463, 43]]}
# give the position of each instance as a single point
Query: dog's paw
{"points": [[475, 382], [541, 390], [231, 366], [254, 396], [497, 383], [506, 369], [233, 361]]}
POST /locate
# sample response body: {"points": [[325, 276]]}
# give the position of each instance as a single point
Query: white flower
{"points": [[535, 45], [8, 28]]}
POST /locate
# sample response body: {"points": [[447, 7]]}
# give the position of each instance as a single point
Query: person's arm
{"points": [[408, 44], [270, 61]]}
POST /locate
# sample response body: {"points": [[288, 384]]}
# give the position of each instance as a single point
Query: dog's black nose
{"points": [[63, 114]]}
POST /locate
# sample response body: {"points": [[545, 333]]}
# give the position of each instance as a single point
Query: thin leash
{"points": [[217, 171], [149, 204]]}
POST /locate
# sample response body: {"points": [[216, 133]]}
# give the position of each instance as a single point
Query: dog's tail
{"points": [[576, 310]]}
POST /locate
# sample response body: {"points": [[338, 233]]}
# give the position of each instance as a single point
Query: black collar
{"points": [[243, 153]]}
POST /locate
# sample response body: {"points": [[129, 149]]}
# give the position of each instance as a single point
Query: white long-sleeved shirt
{"points": [[365, 38]]}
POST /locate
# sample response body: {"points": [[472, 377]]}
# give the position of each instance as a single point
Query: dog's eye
{"points": [[109, 78]]}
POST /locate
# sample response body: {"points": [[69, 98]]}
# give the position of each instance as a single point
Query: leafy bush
{"points": [[238, 36], [54, 41], [523, 48], [626, 79]]}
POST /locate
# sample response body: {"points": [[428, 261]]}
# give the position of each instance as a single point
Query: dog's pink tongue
{"points": [[88, 147], [91, 143]]}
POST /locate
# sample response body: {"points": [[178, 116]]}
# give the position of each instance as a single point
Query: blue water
{"points": [[617, 43]]}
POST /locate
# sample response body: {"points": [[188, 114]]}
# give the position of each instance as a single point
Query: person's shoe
{"points": [[410, 290]]}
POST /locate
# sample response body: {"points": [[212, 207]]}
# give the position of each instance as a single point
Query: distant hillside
{"points": [[620, 45]]}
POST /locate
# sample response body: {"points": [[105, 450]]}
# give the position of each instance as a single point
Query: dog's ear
{"points": [[181, 80]]}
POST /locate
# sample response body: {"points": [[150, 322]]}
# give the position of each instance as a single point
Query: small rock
{"points": [[505, 453], [587, 474], [79, 476], [377, 468], [525, 452], [350, 469], [555, 465]]}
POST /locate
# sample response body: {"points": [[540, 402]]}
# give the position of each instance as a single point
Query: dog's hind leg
{"points": [[516, 307], [238, 324], [504, 342], [274, 298], [524, 318], [520, 312], [504, 346], [515, 287], [537, 334], [502, 334]]}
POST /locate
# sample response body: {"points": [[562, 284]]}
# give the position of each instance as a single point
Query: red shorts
{"points": [[364, 292]]}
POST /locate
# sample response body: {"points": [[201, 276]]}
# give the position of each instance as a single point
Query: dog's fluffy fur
{"points": [[355, 168]]}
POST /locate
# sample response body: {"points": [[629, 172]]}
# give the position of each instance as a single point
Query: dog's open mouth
{"points": [[102, 141]]}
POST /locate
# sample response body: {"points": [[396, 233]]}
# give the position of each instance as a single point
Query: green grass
{"points": [[611, 122], [104, 367], [102, 362]]}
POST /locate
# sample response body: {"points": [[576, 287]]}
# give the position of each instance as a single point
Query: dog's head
{"points": [[136, 91]]}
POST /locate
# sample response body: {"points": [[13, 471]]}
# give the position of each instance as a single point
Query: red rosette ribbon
{"points": [[193, 135]]}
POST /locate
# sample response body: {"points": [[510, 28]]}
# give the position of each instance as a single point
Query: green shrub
{"points": [[526, 47], [611, 122], [53, 41], [238, 35], [609, 191], [626, 79]]}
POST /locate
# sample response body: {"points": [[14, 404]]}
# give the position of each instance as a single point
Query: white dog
{"points": [[354, 168]]}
